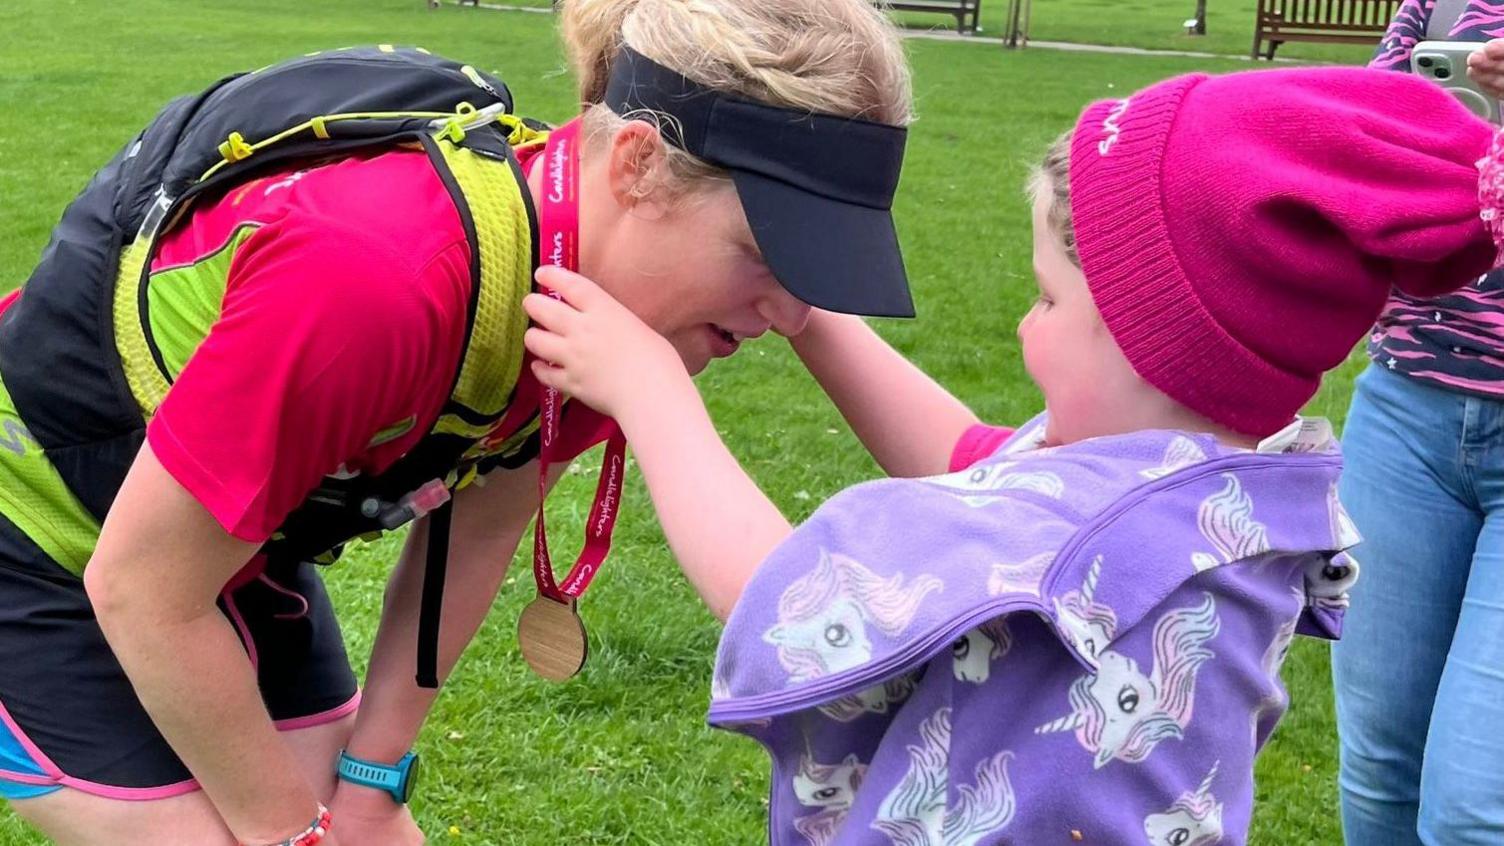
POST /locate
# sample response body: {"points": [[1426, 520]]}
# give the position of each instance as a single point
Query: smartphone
{"points": [[1445, 63]]}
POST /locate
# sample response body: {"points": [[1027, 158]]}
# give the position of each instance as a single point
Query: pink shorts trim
{"points": [[141, 794], [58, 777], [27, 778], [131, 794], [167, 791], [321, 718], [38, 757]]}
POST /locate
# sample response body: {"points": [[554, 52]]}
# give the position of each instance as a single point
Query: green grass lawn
{"points": [[621, 755]]}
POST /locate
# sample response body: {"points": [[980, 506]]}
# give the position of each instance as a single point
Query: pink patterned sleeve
{"points": [[1491, 192]]}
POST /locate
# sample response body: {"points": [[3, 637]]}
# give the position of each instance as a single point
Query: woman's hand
{"points": [[1486, 67], [592, 348], [363, 815]]}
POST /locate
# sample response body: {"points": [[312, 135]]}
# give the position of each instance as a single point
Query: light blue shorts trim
{"points": [[14, 759]]}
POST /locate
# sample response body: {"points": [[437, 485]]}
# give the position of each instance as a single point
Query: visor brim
{"points": [[832, 255]]}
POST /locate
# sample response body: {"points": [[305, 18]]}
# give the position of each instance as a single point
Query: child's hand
{"points": [[592, 348], [1486, 67]]}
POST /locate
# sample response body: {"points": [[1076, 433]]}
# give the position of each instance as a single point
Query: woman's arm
{"points": [[155, 575], [488, 522], [906, 420]]}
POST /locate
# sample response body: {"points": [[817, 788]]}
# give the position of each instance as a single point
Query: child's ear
{"points": [[636, 169]]}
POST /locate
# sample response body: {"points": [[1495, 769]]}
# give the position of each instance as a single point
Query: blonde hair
{"points": [[1053, 174], [840, 57]]}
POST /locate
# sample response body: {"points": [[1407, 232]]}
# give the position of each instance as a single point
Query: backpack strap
{"points": [[431, 606]]}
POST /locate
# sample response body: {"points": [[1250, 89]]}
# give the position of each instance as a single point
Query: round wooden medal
{"points": [[552, 639]]}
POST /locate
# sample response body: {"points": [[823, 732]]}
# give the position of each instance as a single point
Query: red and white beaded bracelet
{"points": [[313, 834]]}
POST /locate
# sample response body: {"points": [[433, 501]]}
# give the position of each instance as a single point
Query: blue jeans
{"points": [[1419, 673]]}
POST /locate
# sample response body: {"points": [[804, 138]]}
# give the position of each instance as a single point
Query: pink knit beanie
{"points": [[1240, 234]]}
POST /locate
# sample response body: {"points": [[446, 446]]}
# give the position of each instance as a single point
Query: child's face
{"points": [[1089, 387]]}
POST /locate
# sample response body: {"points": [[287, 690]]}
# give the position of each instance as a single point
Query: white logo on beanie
{"points": [[1110, 127]]}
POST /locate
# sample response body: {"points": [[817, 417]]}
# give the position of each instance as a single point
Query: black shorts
{"points": [[68, 714]]}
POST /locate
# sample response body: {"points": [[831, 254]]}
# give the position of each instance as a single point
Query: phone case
{"points": [[1445, 63]]}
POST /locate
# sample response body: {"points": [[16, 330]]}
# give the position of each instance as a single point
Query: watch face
{"points": [[410, 784]]}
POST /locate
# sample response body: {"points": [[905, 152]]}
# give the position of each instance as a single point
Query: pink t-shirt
{"points": [[344, 315], [977, 443]]}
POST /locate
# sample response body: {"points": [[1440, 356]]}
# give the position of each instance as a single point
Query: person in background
{"points": [[1419, 674]]}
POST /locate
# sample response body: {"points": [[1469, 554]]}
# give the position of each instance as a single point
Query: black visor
{"points": [[817, 189]]}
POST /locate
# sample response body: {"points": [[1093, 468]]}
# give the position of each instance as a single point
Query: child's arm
{"points": [[719, 524], [906, 420]]}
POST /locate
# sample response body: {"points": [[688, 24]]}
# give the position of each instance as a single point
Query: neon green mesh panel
{"points": [[494, 356], [183, 303], [146, 381], [34, 497]]}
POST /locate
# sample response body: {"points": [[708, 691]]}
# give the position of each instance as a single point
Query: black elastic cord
{"points": [[435, 565]]}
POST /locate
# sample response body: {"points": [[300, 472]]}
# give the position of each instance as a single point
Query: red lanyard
{"points": [[559, 226]]}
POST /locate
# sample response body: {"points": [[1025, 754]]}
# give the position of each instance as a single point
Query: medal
{"points": [[549, 632], [552, 638]]}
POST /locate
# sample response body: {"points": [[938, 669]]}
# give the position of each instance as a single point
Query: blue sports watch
{"points": [[400, 779]]}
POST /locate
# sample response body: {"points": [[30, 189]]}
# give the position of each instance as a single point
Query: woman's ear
{"points": [[636, 170]]}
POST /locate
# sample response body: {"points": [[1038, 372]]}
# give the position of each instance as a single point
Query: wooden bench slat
{"points": [[965, 12], [1329, 21]]}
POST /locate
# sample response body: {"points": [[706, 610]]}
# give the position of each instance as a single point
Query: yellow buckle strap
{"points": [[518, 132], [235, 148], [454, 128]]}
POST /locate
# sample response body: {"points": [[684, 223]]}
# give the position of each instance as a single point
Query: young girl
{"points": [[1075, 635]]}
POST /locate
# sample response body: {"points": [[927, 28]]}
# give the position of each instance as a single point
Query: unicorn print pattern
{"points": [[1279, 648], [830, 789], [1226, 521], [973, 653], [1024, 577], [915, 813], [1181, 453], [978, 487], [1274, 660], [1328, 580], [1119, 712], [878, 699], [1194, 820], [825, 615], [1089, 625]]}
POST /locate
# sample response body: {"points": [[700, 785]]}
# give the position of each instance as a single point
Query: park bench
{"points": [[1325, 21], [964, 11]]}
